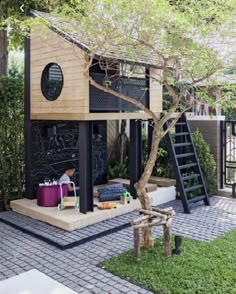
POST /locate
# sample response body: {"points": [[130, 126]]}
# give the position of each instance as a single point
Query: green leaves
{"points": [[193, 39], [207, 161], [202, 267], [12, 139]]}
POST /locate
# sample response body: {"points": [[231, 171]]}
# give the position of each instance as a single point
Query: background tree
{"points": [[189, 41], [13, 23]]}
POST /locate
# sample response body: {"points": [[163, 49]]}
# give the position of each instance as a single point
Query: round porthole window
{"points": [[52, 81]]}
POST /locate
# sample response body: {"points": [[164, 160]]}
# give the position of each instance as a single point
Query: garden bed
{"points": [[203, 267]]}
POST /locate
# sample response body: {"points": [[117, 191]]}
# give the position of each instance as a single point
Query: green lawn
{"points": [[203, 267]]}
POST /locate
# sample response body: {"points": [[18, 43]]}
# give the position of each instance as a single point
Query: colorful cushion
{"points": [[110, 188], [111, 193]]}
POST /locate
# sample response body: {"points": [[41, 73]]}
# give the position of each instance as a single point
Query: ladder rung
{"points": [[180, 123], [184, 155], [187, 165], [197, 198], [193, 188], [183, 144], [181, 134], [190, 177]]}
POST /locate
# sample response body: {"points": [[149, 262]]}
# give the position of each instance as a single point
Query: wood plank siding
{"points": [[49, 47], [112, 133], [155, 91], [73, 102]]}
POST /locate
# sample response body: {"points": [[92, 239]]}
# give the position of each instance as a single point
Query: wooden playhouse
{"points": [[66, 118]]}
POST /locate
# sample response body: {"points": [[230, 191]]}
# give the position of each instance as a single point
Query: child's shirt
{"points": [[64, 178]]}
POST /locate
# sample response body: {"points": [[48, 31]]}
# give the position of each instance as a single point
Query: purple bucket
{"points": [[50, 196]]}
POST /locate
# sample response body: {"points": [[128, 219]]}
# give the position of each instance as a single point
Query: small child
{"points": [[69, 172]]}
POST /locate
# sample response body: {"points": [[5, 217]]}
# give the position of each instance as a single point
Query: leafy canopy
{"points": [[13, 16], [184, 35]]}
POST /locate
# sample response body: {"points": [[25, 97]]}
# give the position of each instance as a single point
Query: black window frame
{"points": [[44, 81]]}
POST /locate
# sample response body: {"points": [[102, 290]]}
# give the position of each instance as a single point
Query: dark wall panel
{"points": [[56, 142]]}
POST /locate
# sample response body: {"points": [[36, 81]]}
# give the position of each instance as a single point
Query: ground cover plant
{"points": [[203, 267]]}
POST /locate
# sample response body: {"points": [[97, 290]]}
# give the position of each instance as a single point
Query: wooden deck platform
{"points": [[69, 219]]}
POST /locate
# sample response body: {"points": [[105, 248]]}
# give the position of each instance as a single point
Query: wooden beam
{"points": [[136, 242], [167, 238], [140, 219], [167, 211], [151, 212], [158, 222]]}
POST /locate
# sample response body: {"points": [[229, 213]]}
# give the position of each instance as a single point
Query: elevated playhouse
{"points": [[66, 118]]}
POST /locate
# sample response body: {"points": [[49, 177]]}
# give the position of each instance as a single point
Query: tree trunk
{"points": [[3, 52], [167, 238], [147, 239], [136, 242]]}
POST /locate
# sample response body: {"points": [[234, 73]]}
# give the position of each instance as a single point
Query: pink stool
{"points": [[50, 196]]}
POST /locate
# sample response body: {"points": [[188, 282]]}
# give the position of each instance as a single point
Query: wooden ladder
{"points": [[189, 176]]}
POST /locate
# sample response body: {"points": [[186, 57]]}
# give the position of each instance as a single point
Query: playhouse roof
{"points": [[118, 52]]}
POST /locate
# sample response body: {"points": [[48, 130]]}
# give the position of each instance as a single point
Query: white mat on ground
{"points": [[33, 282]]}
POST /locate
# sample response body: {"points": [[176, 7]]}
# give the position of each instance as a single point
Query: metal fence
{"points": [[133, 87], [228, 135]]}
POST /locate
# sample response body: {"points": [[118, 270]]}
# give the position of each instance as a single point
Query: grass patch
{"points": [[203, 267]]}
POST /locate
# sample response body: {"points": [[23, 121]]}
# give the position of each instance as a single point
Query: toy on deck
{"points": [[107, 205], [66, 201], [125, 198]]}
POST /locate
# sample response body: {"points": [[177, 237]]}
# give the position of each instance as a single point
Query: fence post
{"points": [[222, 147], [234, 190]]}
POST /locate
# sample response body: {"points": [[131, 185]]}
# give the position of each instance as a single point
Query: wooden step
{"points": [[181, 134], [180, 123], [183, 144], [187, 165], [190, 177], [196, 199], [162, 182], [184, 155], [193, 188]]}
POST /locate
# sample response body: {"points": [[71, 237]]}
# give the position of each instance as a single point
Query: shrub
{"points": [[12, 139], [118, 170], [163, 166], [207, 161]]}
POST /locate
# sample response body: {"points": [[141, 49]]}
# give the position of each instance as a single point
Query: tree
{"points": [[180, 39], [189, 41], [13, 26]]}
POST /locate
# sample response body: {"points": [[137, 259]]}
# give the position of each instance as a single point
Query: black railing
{"points": [[228, 142], [133, 87]]}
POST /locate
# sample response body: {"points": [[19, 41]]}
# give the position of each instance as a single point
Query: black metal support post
{"points": [[27, 124], [147, 77], [135, 154], [150, 131], [234, 190], [85, 166], [222, 150]]}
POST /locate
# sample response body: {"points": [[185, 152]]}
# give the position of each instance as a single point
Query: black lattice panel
{"points": [[102, 101]]}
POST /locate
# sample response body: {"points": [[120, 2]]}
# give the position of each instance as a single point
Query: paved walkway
{"points": [[77, 268], [64, 239]]}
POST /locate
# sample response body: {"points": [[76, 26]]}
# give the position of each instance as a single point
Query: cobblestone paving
{"points": [[61, 238], [77, 268]]}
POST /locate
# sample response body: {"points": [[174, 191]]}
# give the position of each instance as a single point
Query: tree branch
{"points": [[124, 97]]}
